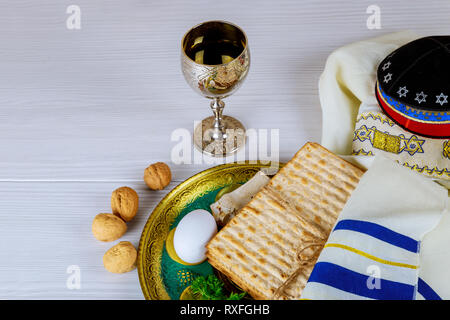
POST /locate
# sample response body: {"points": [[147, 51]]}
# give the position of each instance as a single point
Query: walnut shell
{"points": [[120, 258], [107, 227], [157, 176], [125, 203]]}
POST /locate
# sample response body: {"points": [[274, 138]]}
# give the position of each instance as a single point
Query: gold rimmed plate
{"points": [[161, 277]]}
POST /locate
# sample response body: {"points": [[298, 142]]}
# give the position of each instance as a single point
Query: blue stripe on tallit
{"points": [[350, 281], [425, 290], [379, 232]]}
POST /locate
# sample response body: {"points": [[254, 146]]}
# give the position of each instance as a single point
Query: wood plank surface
{"points": [[85, 111]]}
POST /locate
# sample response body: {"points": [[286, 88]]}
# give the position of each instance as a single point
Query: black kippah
{"points": [[418, 74]]}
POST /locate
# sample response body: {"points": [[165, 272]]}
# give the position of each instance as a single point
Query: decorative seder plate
{"points": [[160, 277]]}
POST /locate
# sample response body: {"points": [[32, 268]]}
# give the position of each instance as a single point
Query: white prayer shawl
{"points": [[348, 82], [374, 249]]}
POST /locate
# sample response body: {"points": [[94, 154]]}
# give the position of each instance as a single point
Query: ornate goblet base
{"points": [[219, 141]]}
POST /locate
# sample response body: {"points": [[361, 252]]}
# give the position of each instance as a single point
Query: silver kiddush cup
{"points": [[215, 60]]}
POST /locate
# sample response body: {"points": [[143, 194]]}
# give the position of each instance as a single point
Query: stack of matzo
{"points": [[258, 248]]}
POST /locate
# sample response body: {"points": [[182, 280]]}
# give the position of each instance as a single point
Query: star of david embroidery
{"points": [[363, 133], [441, 99], [412, 145], [386, 65], [420, 97], [402, 91], [387, 78]]}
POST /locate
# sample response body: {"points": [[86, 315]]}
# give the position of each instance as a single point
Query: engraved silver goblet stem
{"points": [[217, 106]]}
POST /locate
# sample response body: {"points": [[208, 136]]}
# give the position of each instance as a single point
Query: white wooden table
{"points": [[84, 111]]}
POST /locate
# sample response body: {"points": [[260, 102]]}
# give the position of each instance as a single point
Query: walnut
{"points": [[125, 203], [157, 176], [120, 258], [107, 227]]}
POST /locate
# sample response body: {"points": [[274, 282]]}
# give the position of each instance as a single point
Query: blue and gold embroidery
{"points": [[362, 152], [412, 145], [363, 133], [413, 113], [374, 131], [425, 169], [388, 142], [375, 116], [431, 171]]}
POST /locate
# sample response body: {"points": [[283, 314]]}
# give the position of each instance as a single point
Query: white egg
{"points": [[192, 234]]}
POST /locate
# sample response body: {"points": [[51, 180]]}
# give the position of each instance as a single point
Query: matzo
{"points": [[258, 248]]}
